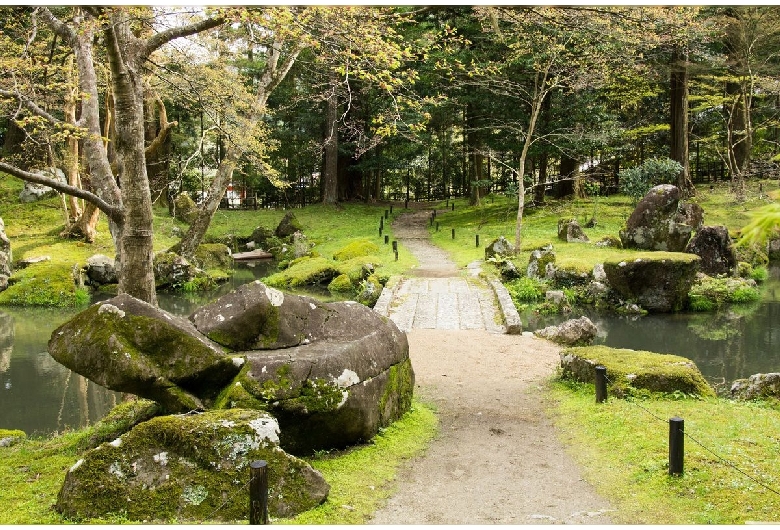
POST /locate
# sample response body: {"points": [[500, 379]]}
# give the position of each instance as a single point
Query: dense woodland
{"points": [[286, 106]]}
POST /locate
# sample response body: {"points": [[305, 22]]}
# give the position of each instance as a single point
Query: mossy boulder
{"points": [[341, 284], [101, 270], [172, 271], [288, 226], [541, 260], [185, 209], [657, 281], [369, 291], [305, 271], [120, 420], [630, 371], [360, 247], [258, 317], [192, 467], [757, 386], [9, 437], [352, 378], [213, 256], [713, 245], [660, 222], [130, 346]]}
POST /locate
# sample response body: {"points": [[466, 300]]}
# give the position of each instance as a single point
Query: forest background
{"points": [[287, 106]]}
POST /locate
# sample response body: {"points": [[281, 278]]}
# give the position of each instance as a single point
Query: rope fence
{"points": [[676, 434]]}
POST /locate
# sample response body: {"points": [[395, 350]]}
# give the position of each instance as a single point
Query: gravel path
{"points": [[497, 459]]}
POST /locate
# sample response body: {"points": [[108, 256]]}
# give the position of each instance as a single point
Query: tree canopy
{"points": [[284, 106]]}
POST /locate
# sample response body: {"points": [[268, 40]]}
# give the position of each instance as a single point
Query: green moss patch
{"points": [[630, 372], [305, 271], [709, 293], [360, 247], [44, 284]]}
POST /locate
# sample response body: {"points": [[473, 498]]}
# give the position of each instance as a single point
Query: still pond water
{"points": [[40, 396]]}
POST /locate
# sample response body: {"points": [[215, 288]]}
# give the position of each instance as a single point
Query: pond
{"points": [[40, 396], [734, 343]]}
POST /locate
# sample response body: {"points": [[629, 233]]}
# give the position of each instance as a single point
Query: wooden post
{"points": [[477, 240], [601, 384], [387, 239], [453, 206], [453, 233], [437, 226], [676, 445], [386, 214], [395, 246], [391, 208], [258, 492]]}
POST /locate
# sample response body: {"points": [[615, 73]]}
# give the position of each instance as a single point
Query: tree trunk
{"points": [[678, 90], [568, 175], [330, 190]]}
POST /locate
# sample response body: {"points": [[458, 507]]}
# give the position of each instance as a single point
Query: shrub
{"points": [[636, 182], [526, 290]]}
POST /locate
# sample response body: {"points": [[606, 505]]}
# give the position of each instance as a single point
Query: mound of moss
{"points": [[45, 284], [630, 372], [9, 437], [305, 271], [354, 249], [710, 293]]}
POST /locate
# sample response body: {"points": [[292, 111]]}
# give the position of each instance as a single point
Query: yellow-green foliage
{"points": [[44, 284], [360, 247], [632, 370]]}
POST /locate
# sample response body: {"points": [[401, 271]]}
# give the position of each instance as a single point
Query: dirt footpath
{"points": [[497, 459]]}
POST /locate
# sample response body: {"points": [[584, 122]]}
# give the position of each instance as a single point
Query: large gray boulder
{"points": [[258, 317], [658, 285], [6, 257], [191, 467], [101, 270], [541, 264], [130, 346], [172, 270], [574, 332], [350, 376], [713, 245], [499, 247], [757, 386], [569, 230], [659, 222]]}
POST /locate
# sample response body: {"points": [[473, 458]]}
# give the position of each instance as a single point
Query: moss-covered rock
{"points": [[185, 208], [305, 271], [658, 281], [213, 256], [757, 386], [341, 284], [190, 467], [288, 225], [629, 371], [258, 317], [710, 293], [172, 271], [333, 391], [120, 420], [130, 346], [9, 437], [359, 247], [45, 284], [369, 291]]}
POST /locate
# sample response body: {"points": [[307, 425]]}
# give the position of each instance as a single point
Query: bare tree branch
{"points": [[164, 37], [113, 212]]}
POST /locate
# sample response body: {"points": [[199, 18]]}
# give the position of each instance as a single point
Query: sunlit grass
{"points": [[623, 448]]}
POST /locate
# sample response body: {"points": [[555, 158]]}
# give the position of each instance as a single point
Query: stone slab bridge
{"points": [[437, 295]]}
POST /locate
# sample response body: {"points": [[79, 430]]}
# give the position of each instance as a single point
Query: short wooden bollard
{"points": [[391, 208], [386, 214], [601, 384], [431, 220], [387, 239], [477, 240], [437, 226], [453, 233], [258, 492], [453, 206], [396, 255], [448, 203], [395, 246], [676, 445]]}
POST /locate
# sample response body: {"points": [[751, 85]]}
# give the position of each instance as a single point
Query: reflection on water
{"points": [[731, 344]]}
